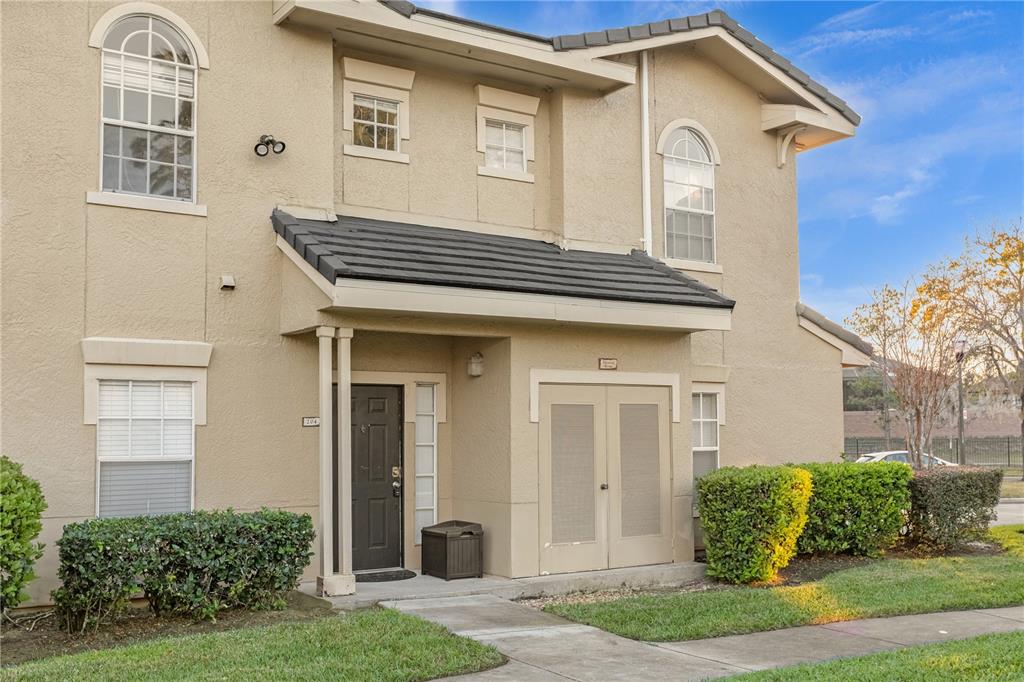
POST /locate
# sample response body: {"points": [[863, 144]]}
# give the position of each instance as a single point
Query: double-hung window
{"points": [[375, 123], [145, 445], [149, 99], [705, 433], [505, 146], [689, 197]]}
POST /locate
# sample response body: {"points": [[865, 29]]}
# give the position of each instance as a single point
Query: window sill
{"points": [[144, 203], [505, 174], [379, 154], [693, 265]]}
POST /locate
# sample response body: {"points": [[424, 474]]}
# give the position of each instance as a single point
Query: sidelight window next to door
{"points": [[605, 480]]}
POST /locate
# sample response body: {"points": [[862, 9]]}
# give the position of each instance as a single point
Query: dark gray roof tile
{"points": [[812, 315], [621, 35], [358, 248]]}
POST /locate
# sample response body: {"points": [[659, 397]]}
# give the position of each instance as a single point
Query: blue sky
{"points": [[939, 155]]}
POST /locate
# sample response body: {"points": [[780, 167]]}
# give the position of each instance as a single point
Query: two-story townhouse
{"points": [[545, 283]]}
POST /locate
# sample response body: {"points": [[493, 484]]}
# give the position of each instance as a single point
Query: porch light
{"points": [[475, 366]]}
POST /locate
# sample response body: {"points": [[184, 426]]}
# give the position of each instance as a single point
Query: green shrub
{"points": [[100, 564], [193, 564], [855, 508], [953, 505], [752, 518], [21, 510]]}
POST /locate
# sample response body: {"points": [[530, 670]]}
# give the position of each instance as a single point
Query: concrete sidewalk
{"points": [[544, 647]]}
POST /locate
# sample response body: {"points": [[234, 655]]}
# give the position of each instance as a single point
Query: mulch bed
{"points": [[18, 645]]}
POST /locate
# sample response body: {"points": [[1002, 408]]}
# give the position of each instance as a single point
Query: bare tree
{"points": [[918, 359]]}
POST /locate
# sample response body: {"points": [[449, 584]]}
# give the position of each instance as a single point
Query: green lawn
{"points": [[1013, 486], [1011, 537], [988, 658], [884, 588], [362, 645]]}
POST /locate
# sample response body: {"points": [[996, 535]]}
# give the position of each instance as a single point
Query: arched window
{"points": [[149, 108], [689, 196]]}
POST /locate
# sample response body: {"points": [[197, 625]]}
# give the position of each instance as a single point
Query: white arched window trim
{"points": [[690, 237], [115, 14], [689, 123], [202, 61]]}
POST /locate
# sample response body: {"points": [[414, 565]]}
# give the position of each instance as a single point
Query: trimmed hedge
{"points": [[192, 564], [953, 505], [752, 518], [21, 511], [855, 508]]}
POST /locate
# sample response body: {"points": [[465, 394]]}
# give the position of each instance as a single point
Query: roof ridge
{"points": [[612, 36]]}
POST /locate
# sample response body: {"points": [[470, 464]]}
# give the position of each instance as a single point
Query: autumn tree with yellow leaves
{"points": [[981, 292]]}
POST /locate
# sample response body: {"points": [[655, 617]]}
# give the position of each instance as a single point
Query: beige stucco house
{"points": [[543, 282]]}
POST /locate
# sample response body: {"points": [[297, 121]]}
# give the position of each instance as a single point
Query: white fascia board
{"points": [[852, 357], [718, 32], [351, 294], [372, 18]]}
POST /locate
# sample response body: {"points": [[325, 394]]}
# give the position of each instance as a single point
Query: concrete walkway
{"points": [[544, 647]]}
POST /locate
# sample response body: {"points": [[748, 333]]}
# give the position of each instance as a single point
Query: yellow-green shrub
{"points": [[752, 518]]}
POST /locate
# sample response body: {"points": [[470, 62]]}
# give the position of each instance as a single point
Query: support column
{"points": [[344, 416], [328, 583]]}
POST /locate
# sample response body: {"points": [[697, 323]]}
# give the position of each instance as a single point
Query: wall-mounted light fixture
{"points": [[475, 366], [268, 144], [227, 282]]}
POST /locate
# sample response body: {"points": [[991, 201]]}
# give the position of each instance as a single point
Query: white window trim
{"points": [[381, 82], [141, 201], [527, 121], [713, 154], [94, 373], [191, 458], [716, 158], [433, 446], [693, 265], [145, 203], [717, 390]]}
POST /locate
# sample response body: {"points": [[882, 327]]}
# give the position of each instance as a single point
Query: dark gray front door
{"points": [[376, 476]]}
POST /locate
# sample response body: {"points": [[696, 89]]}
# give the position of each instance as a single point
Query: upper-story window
{"points": [[375, 123], [689, 196], [505, 146], [149, 108]]}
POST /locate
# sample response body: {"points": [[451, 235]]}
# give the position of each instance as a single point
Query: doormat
{"points": [[384, 576]]}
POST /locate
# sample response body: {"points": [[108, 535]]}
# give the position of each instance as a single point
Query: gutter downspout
{"points": [[645, 156]]}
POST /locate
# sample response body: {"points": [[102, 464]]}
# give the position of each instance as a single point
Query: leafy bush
{"points": [[100, 564], [752, 518], [21, 510], [193, 564], [952, 505], [855, 508]]}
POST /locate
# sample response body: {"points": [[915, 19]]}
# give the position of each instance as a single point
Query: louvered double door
{"points": [[605, 481]]}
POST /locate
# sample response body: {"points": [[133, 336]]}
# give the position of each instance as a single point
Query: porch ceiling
{"points": [[386, 266]]}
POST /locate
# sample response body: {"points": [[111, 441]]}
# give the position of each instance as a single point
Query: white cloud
{"points": [[446, 6], [851, 18]]}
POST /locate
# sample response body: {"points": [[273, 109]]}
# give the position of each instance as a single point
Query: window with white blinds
{"points": [[426, 458], [145, 443], [705, 434]]}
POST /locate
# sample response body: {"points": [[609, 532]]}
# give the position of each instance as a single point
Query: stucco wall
{"points": [[72, 270]]}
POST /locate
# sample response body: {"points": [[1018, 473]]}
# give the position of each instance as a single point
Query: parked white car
{"points": [[903, 456]]}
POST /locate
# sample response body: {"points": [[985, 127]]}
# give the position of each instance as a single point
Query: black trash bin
{"points": [[453, 549]]}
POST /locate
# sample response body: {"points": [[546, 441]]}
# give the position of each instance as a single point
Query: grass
{"points": [[1013, 486], [989, 657], [883, 588], [1011, 537], [361, 645]]}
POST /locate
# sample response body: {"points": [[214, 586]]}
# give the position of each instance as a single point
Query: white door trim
{"points": [[573, 376]]}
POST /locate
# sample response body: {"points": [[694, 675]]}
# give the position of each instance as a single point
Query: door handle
{"points": [[396, 488], [604, 486]]}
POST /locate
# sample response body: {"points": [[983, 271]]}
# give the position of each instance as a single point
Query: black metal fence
{"points": [[998, 451]]}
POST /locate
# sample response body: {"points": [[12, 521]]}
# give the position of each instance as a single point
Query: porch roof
{"points": [[383, 251]]}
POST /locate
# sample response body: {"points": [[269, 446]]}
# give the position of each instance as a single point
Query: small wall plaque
{"points": [[311, 421], [608, 363]]}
